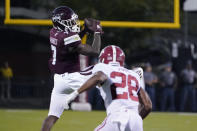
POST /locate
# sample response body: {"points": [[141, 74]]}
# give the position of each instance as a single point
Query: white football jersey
{"points": [[121, 88]]}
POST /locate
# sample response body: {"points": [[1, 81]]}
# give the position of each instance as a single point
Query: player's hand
{"points": [[93, 25], [70, 98]]}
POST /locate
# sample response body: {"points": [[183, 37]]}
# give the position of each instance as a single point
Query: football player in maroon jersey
{"points": [[66, 46]]}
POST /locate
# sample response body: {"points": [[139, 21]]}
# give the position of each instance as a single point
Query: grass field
{"points": [[31, 120]]}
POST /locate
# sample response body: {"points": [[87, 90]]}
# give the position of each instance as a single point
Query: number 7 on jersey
{"points": [[53, 48]]}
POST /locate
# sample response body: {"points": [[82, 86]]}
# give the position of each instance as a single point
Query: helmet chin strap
{"points": [[114, 63]]}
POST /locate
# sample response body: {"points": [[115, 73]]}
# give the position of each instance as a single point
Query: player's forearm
{"points": [[88, 50], [92, 82], [144, 111], [96, 45], [145, 104], [98, 78]]}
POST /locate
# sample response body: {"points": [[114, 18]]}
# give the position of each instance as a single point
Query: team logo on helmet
{"points": [[112, 55]]}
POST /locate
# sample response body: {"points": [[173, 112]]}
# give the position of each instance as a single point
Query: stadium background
{"points": [[26, 47]]}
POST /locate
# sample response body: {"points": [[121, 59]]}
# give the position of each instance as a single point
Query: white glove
{"points": [[140, 72], [70, 98]]}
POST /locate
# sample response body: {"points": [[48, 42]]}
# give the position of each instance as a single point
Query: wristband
{"points": [[97, 32], [75, 93]]}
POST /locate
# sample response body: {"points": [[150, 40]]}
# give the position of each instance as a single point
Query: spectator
{"points": [[6, 83], [188, 76], [168, 81], [150, 79]]}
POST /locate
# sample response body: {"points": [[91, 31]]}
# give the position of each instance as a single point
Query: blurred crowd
{"points": [[170, 91]]}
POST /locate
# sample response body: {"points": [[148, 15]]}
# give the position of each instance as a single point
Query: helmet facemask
{"points": [[75, 24], [72, 25], [65, 19]]}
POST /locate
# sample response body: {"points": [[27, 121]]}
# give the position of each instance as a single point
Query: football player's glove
{"points": [[70, 98], [140, 72], [93, 25]]}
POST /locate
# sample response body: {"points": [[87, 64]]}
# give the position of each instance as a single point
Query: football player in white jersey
{"points": [[125, 100]]}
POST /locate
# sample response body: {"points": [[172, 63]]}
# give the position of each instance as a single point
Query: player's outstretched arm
{"points": [[92, 26], [96, 45], [97, 79], [93, 50], [145, 103]]}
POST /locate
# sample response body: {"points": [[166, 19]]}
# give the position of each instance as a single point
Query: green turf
{"points": [[31, 120]]}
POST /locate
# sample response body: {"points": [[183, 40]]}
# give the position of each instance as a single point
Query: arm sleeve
{"points": [[73, 39]]}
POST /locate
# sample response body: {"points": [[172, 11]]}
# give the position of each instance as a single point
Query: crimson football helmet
{"points": [[64, 18], [112, 55]]}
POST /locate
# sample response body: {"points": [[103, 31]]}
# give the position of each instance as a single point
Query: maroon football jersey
{"points": [[64, 58]]}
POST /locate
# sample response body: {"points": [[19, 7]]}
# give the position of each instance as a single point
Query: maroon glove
{"points": [[93, 25]]}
